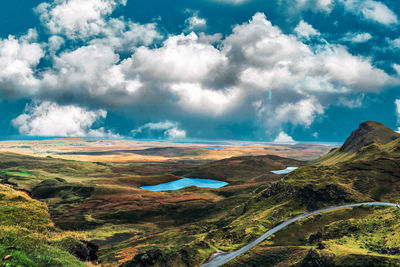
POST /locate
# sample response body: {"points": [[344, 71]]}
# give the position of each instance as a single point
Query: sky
{"points": [[303, 70]]}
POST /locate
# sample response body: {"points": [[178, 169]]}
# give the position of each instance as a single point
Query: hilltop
{"points": [[367, 133], [370, 139]]}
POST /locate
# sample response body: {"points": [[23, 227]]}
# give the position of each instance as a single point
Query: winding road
{"points": [[224, 257]]}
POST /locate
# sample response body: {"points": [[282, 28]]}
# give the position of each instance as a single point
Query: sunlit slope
{"points": [[27, 235], [365, 168], [363, 236], [370, 141]]}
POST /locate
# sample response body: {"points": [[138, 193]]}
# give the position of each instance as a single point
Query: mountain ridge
{"points": [[367, 133], [370, 139]]}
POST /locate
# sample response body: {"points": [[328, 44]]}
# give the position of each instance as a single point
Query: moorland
{"points": [[77, 202]]}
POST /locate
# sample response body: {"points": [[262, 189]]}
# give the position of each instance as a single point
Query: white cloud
{"points": [[284, 138], [181, 58], [395, 43], [232, 2], [353, 72], [55, 42], [194, 22], [91, 73], [378, 12], [195, 98], [371, 10], [353, 102], [175, 133], [315, 5], [204, 76], [300, 113], [76, 18], [89, 20], [270, 59], [354, 37], [396, 67], [51, 119], [167, 129], [190, 75], [397, 103], [305, 30], [18, 58], [125, 36]]}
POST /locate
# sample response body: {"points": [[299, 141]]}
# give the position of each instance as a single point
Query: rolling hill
{"points": [[365, 168], [101, 203]]}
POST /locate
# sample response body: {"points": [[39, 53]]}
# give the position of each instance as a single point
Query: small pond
{"points": [[179, 184], [285, 171]]}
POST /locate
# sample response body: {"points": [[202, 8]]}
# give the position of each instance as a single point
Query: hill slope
{"points": [[27, 235], [365, 168], [367, 133], [370, 139]]}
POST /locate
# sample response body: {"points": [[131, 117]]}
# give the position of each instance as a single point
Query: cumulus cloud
{"points": [[90, 73], [371, 10], [305, 30], [274, 60], [164, 129], [89, 20], [193, 97], [181, 58], [284, 138], [257, 71], [357, 37], [299, 113], [195, 22], [18, 59], [51, 119], [76, 19]]}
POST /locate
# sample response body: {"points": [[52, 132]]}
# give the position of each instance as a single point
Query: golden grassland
{"points": [[109, 150]]}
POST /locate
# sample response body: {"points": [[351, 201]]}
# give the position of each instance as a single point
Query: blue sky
{"points": [[308, 70]]}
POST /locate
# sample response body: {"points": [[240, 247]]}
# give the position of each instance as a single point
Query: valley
{"points": [[97, 208]]}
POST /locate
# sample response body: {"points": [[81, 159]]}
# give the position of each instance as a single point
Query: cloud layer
{"points": [[51, 119], [88, 62]]}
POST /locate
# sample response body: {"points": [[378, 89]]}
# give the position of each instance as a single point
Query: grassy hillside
{"points": [[27, 235], [371, 140], [365, 168], [133, 227], [366, 236]]}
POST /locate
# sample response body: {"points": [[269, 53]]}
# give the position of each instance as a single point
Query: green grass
{"points": [[349, 237], [25, 233]]}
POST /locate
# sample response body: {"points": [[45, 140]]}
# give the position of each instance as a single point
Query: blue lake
{"points": [[182, 183], [285, 171]]}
